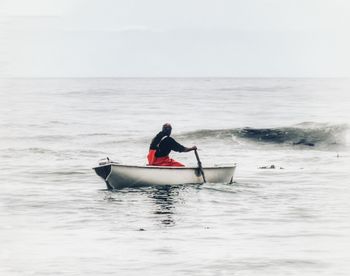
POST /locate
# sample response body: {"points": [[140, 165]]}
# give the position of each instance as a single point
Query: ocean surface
{"points": [[57, 218]]}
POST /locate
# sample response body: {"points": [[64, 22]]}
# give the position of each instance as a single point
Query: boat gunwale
{"points": [[165, 167]]}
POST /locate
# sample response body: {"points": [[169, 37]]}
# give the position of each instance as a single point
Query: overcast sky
{"points": [[182, 38]]}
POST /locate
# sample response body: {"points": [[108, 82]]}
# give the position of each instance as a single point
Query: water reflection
{"points": [[165, 199], [162, 201]]}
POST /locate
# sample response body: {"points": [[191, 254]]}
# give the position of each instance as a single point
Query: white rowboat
{"points": [[119, 176]]}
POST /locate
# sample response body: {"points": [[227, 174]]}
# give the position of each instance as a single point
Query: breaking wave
{"points": [[307, 134]]}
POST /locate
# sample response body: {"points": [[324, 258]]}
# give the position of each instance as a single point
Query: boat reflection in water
{"points": [[165, 199]]}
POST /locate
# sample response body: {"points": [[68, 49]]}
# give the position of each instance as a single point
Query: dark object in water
{"points": [[268, 167], [304, 142]]}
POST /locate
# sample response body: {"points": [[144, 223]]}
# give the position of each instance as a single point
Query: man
{"points": [[162, 145]]}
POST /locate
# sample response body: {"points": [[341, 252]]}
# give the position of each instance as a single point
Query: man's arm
{"points": [[190, 149], [175, 146]]}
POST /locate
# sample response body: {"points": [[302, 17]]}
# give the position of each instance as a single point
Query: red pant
{"points": [[162, 161]]}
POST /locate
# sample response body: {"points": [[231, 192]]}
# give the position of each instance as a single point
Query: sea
{"points": [[286, 213]]}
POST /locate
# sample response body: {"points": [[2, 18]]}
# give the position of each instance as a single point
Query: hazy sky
{"points": [[182, 38]]}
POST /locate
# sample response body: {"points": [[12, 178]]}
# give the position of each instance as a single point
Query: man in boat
{"points": [[161, 145]]}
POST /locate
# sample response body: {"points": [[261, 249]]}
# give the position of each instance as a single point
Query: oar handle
{"points": [[197, 157]]}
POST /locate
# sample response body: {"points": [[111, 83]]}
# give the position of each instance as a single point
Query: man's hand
{"points": [[194, 148]]}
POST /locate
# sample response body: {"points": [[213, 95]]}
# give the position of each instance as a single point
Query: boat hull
{"points": [[119, 176]]}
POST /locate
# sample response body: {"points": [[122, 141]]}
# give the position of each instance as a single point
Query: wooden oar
{"points": [[200, 166]]}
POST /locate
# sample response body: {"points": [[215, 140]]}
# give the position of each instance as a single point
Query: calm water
{"points": [[56, 218]]}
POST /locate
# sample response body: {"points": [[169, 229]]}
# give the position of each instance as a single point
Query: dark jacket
{"points": [[164, 144]]}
